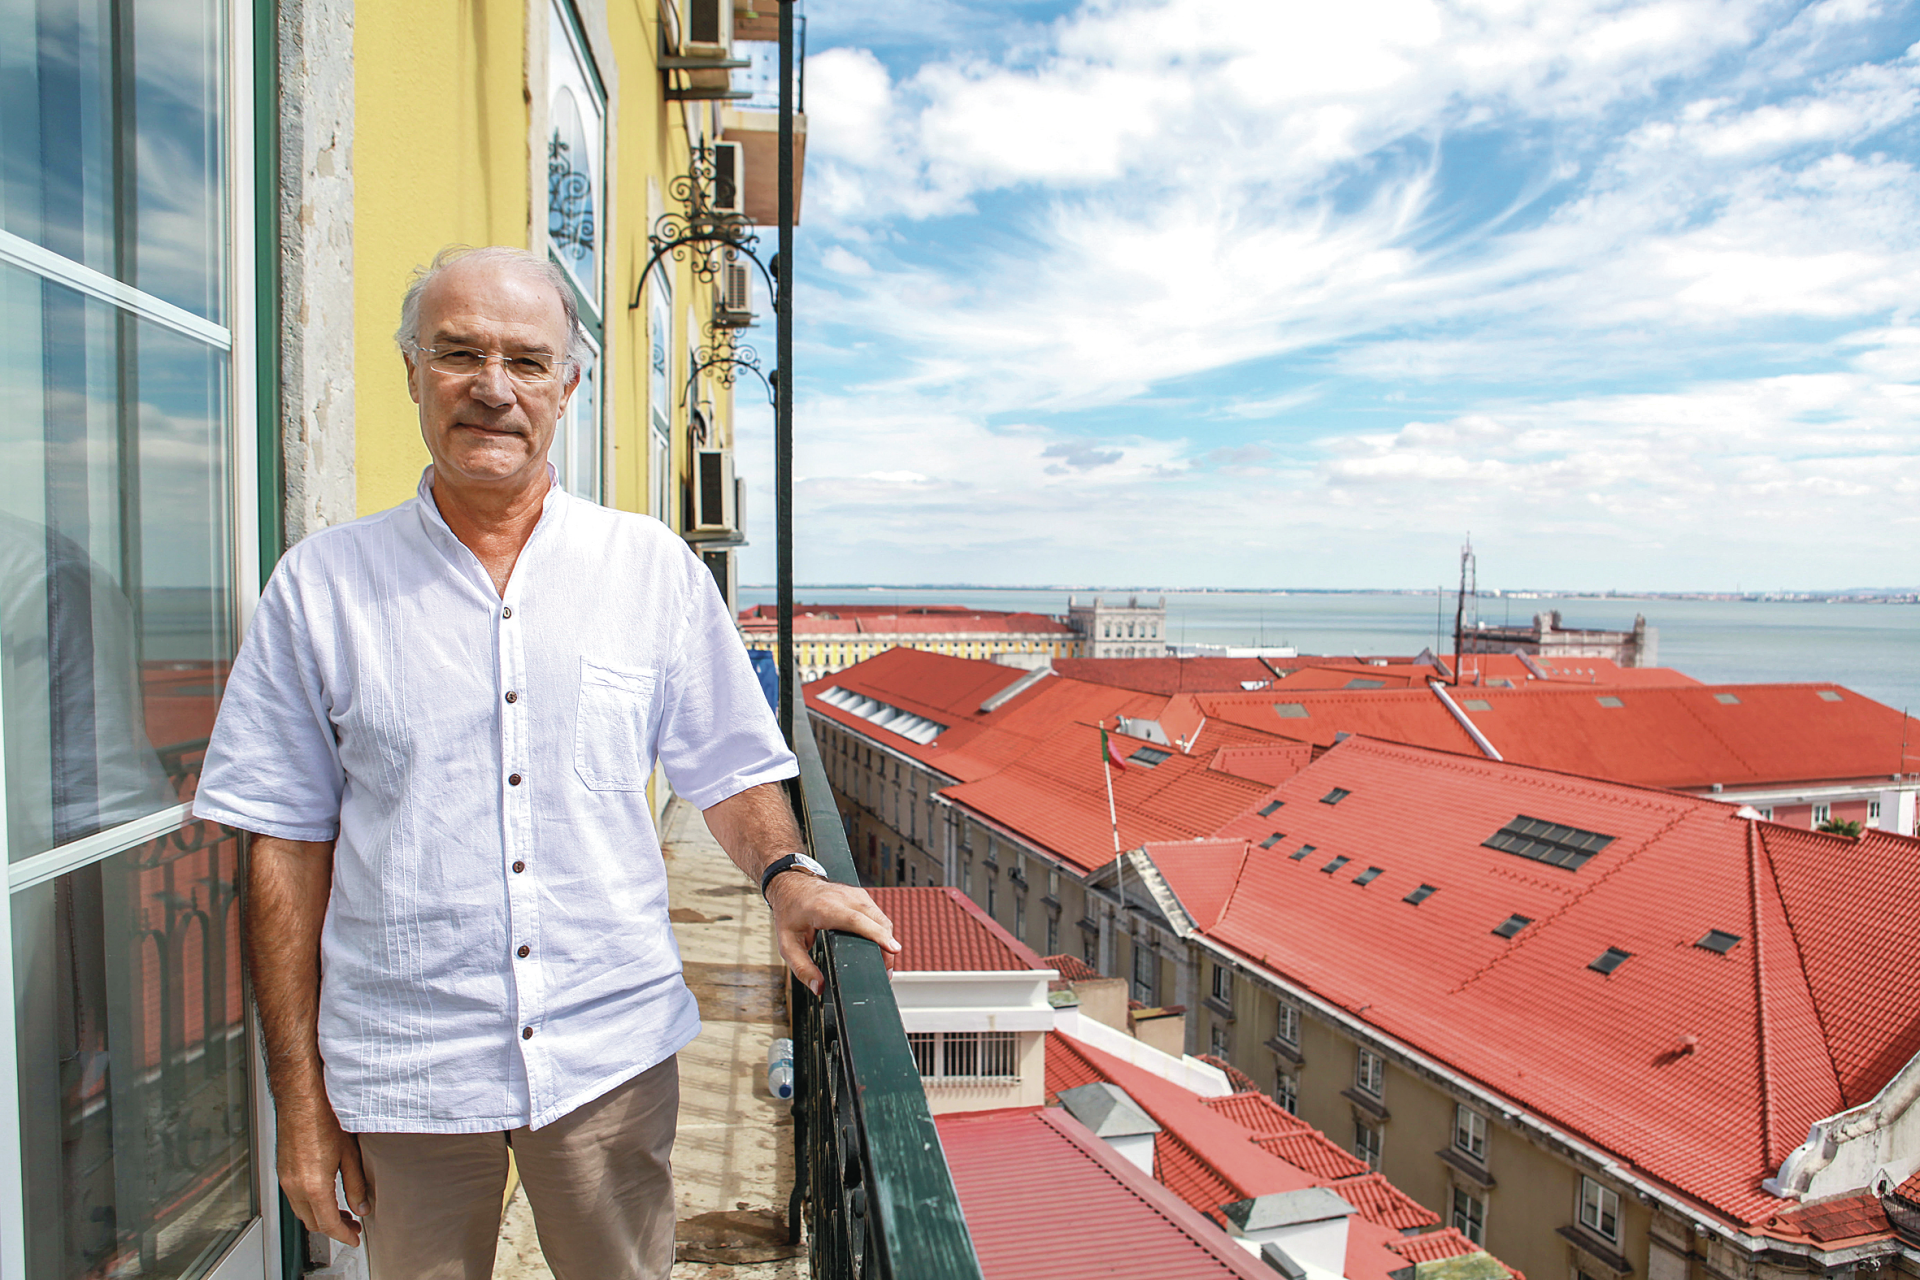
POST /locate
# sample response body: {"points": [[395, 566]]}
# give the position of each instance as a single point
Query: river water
{"points": [[1871, 649]]}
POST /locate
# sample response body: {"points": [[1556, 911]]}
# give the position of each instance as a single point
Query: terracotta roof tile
{"points": [[1046, 1200], [1840, 1218], [1434, 1246], [1258, 1112], [1659, 1062], [1072, 968], [1380, 1201], [1313, 1151], [942, 930]]}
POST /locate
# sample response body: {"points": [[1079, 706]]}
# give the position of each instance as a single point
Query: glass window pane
{"points": [[110, 140], [135, 1075], [573, 160], [114, 561]]}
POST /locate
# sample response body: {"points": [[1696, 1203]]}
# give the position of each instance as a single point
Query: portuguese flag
{"points": [[1111, 752]]}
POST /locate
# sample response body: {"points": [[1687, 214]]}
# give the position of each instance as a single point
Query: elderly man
{"points": [[439, 731]]}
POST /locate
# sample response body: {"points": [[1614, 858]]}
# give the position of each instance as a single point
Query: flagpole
{"points": [[1113, 815]]}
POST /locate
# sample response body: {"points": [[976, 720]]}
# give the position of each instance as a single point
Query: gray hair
{"points": [[407, 336]]}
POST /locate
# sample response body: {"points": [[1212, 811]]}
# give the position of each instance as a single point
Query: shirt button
{"points": [[524, 952], [507, 612], [526, 1033], [513, 779], [512, 696], [518, 867]]}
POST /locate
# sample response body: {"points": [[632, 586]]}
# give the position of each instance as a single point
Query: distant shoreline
{"points": [[1853, 595]]}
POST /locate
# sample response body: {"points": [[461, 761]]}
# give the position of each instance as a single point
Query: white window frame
{"points": [[1286, 1089], [1287, 1023], [1599, 1207], [1223, 985], [1822, 813], [1470, 1134], [1370, 1074], [1468, 1214], [936, 1053], [1220, 1041], [1368, 1143]]}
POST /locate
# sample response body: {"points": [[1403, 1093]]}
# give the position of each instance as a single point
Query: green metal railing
{"points": [[871, 1182]]}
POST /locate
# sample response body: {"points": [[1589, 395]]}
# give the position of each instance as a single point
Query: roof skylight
{"points": [[1300, 854], [1610, 960], [1266, 810], [1828, 695], [1272, 840], [1608, 700], [1290, 710], [1148, 757], [1477, 704], [1421, 894], [1718, 941], [1335, 865], [1363, 683], [1335, 796], [1511, 926], [1368, 876], [1727, 699], [913, 728], [1548, 842]]}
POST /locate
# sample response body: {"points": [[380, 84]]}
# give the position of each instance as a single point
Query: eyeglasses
{"points": [[529, 368]]}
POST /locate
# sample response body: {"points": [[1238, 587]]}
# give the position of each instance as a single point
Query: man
{"points": [[438, 732]]}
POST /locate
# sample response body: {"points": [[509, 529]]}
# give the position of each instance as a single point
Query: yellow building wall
{"points": [[441, 157]]}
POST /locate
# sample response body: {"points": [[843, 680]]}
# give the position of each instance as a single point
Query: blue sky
{"points": [[1277, 294]]}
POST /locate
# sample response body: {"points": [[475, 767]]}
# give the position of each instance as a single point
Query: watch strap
{"points": [[786, 862]]}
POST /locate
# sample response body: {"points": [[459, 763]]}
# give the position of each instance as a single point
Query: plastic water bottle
{"points": [[780, 1068]]}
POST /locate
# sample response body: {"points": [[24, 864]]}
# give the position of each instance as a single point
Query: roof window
{"points": [[1511, 926], [1610, 960], [1499, 682], [1368, 876], [1726, 699], [1272, 840], [1608, 700], [1421, 894], [1148, 757], [1362, 683], [1718, 941], [1335, 796], [1266, 810], [1290, 710], [1828, 695], [1477, 704], [916, 729], [1335, 865], [1548, 842], [1300, 854]]}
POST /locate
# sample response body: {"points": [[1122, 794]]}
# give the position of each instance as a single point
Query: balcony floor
{"points": [[733, 1158]]}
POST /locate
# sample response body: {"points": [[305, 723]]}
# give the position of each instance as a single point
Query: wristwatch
{"points": [[790, 862]]}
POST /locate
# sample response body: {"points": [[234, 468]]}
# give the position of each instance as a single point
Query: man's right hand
{"points": [[312, 1149]]}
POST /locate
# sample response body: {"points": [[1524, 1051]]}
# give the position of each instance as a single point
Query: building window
{"points": [[1470, 1215], [1821, 814], [1220, 1042], [1053, 934], [1287, 1030], [992, 896], [1370, 1075], [1766, 814], [1286, 1089], [1366, 1144], [1146, 967], [1223, 985], [1053, 882], [1873, 813], [576, 149], [1020, 916], [1089, 948], [966, 1055], [1470, 1135], [966, 879], [1599, 1210]]}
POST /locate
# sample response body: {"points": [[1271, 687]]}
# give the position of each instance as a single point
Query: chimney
{"points": [[1309, 1227], [1113, 1115]]}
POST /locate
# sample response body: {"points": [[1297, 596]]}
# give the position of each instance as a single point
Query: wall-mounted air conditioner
{"points": [[708, 31], [733, 296], [713, 490]]}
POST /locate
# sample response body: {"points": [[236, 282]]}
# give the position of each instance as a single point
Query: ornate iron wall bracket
{"points": [[702, 232], [723, 354]]}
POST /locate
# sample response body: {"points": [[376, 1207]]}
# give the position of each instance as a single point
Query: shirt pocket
{"points": [[613, 728]]}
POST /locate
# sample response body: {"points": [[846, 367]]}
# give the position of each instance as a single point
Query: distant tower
{"points": [[1469, 589], [1132, 630]]}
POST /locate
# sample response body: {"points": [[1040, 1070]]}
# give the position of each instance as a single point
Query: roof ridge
{"points": [[1527, 936], [1239, 878], [1690, 709], [1578, 783], [1758, 853]]}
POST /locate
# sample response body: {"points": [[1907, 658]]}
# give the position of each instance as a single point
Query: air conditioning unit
{"points": [[709, 29], [733, 296], [729, 178], [713, 490]]}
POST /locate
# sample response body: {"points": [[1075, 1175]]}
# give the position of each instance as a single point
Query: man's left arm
{"points": [[755, 827]]}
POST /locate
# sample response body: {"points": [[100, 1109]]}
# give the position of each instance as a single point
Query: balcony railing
{"points": [[872, 1183]]}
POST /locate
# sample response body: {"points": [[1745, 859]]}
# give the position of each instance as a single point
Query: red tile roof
{"points": [[1380, 1201], [1169, 675], [1661, 1061], [1682, 736], [1212, 1153], [942, 930], [1313, 1151], [1046, 1200], [888, 620], [1840, 1218], [1072, 968], [1434, 1246]]}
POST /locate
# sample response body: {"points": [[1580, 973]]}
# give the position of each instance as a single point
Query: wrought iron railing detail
{"points": [[872, 1183], [570, 221]]}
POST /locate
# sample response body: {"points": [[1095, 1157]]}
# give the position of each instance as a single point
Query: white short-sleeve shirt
{"points": [[481, 762]]}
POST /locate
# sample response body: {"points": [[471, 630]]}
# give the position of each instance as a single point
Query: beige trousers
{"points": [[599, 1181]]}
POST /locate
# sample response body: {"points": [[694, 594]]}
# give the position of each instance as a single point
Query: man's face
{"points": [[490, 428]]}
